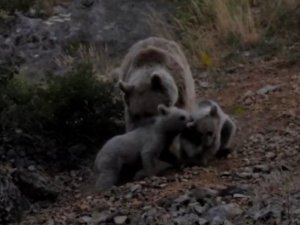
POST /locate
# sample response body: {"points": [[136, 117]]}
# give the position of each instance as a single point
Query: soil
{"points": [[265, 159]]}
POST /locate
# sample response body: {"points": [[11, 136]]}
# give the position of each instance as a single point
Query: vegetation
{"points": [[44, 6], [215, 30], [75, 109], [21, 5]]}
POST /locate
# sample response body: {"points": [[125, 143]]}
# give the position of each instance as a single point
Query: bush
{"points": [[12, 5], [74, 110]]}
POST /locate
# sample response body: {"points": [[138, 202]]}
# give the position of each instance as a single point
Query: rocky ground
{"points": [[259, 183]]}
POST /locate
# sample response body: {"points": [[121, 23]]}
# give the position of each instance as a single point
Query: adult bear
{"points": [[154, 71]]}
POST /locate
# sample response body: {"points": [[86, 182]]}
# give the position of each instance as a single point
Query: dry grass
{"points": [[213, 29], [96, 57], [159, 26], [236, 20]]}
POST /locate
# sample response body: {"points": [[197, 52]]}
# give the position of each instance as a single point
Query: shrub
{"points": [[12, 5], [72, 110]]}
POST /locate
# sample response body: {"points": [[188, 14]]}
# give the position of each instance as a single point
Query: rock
{"points": [[270, 155], [186, 219], [273, 211], [297, 212], [202, 193], [225, 174], [267, 89], [136, 188], [232, 209], [245, 175], [240, 196], [183, 199], [227, 222], [217, 221], [232, 190], [39, 44], [222, 212], [31, 168], [197, 208], [12, 203], [296, 195], [100, 217], [202, 221], [34, 185], [120, 219], [203, 84], [248, 98], [85, 219], [261, 168]]}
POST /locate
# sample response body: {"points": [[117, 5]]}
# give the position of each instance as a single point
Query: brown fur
{"points": [[209, 134], [155, 71]]}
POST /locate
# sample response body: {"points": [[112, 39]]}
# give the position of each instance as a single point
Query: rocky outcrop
{"points": [[37, 43]]}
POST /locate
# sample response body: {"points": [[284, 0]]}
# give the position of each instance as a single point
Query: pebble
{"points": [[240, 196], [120, 219], [85, 219], [136, 187], [267, 89], [270, 155], [245, 175], [31, 168], [225, 174], [202, 221], [261, 168], [182, 199]]}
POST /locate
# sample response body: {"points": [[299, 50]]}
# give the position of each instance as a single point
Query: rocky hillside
{"points": [[59, 104]]}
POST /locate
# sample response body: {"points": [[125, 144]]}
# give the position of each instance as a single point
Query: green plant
{"points": [[12, 5], [75, 109]]}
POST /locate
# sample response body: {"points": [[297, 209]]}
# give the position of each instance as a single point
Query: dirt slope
{"points": [[261, 177]]}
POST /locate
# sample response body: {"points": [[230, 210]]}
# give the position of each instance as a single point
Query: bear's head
{"points": [[149, 84], [206, 127], [172, 120]]}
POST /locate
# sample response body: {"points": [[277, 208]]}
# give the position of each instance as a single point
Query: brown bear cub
{"points": [[209, 134], [154, 71], [144, 143]]}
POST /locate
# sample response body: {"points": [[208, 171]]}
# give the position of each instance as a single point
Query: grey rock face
{"points": [[12, 203], [34, 185], [38, 44]]}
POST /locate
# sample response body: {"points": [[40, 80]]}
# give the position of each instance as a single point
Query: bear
{"points": [[141, 144], [154, 71], [209, 135]]}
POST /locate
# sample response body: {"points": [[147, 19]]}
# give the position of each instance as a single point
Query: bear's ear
{"points": [[156, 82], [163, 110], [213, 111], [149, 54], [126, 88]]}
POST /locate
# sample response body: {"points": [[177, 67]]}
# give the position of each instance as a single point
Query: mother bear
{"points": [[154, 71]]}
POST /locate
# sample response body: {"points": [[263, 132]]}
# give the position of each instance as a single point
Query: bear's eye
{"points": [[182, 118], [209, 133]]}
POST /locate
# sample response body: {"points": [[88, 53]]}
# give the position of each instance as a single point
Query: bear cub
{"points": [[209, 135], [144, 143]]}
